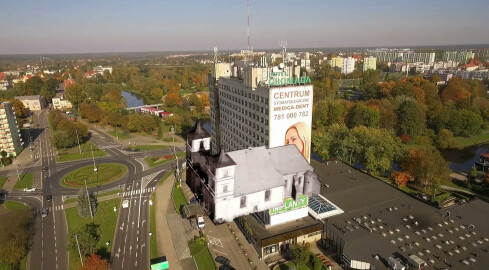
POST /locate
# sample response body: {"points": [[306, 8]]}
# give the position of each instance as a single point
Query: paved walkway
{"points": [[171, 233]]}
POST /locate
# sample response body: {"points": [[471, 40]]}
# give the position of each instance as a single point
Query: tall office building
{"points": [[348, 65], [461, 57], [369, 63], [256, 105], [10, 140]]}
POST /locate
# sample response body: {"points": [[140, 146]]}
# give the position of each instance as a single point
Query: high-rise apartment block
{"points": [[369, 63], [348, 65], [406, 56], [10, 139], [257, 105], [337, 62], [461, 57]]}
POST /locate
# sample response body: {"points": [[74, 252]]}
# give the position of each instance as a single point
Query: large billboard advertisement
{"points": [[290, 117]]}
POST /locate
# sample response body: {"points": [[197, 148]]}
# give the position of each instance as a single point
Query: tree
{"points": [[465, 123], [458, 91], [3, 154], [361, 115], [88, 237], [427, 166], [300, 253], [410, 118], [173, 99], [95, 262], [75, 94], [444, 139], [14, 237], [400, 178], [472, 175], [20, 110], [194, 100], [84, 205]]}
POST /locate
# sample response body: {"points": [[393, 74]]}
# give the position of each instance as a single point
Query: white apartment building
{"points": [[259, 105], [10, 139], [60, 103], [348, 65], [369, 63], [462, 57]]}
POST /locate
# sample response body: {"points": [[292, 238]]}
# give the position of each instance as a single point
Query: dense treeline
{"points": [[33, 86], [401, 120], [14, 244], [65, 133]]}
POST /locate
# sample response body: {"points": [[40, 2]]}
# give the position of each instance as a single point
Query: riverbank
{"points": [[464, 142]]}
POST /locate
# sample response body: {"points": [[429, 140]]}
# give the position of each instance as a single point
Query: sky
{"points": [[90, 26]]}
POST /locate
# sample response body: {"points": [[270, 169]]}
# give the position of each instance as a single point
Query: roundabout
{"points": [[105, 173]]}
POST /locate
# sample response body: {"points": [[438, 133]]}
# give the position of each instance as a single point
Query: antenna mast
{"points": [[283, 44], [248, 17]]}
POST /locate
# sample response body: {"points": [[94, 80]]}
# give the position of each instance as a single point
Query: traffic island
{"points": [[106, 173]]}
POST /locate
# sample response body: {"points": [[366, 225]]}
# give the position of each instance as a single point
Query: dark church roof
{"points": [[198, 132], [224, 160]]}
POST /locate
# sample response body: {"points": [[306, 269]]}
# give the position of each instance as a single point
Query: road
{"points": [[49, 242]]}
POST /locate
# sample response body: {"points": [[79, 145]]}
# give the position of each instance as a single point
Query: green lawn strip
{"points": [[11, 205], [441, 196], [112, 192], [23, 263], [107, 172], [25, 181], [149, 147], [74, 152], [152, 229], [178, 198], [105, 217], [468, 141], [201, 254], [121, 135], [160, 160], [176, 139], [3, 180]]}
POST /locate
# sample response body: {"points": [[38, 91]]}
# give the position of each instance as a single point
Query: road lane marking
{"points": [[220, 252]]}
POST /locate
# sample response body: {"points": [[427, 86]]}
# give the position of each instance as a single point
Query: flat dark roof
{"points": [[278, 233], [380, 219]]}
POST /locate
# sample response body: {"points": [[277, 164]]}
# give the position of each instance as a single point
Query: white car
{"points": [[125, 204], [30, 189], [200, 222]]}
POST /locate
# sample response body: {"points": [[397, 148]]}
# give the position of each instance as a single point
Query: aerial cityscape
{"points": [[201, 135]]}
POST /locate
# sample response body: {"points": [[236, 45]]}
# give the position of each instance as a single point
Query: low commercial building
{"points": [[10, 139], [33, 103], [381, 221], [155, 111]]}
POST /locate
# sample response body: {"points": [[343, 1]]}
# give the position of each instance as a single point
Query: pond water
{"points": [[463, 159], [132, 100]]}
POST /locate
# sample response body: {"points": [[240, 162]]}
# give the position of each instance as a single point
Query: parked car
{"points": [[49, 198], [30, 189], [44, 212], [200, 222], [223, 260]]}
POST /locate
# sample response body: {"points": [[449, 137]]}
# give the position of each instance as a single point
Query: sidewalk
{"points": [[171, 232]]}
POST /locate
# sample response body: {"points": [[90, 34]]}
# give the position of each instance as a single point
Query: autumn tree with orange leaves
{"points": [[400, 178], [95, 262]]}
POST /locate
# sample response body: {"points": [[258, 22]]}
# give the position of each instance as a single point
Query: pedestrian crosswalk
{"points": [[137, 192], [56, 208], [109, 146], [42, 155]]}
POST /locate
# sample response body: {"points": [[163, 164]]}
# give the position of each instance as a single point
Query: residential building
{"points": [[67, 83], [255, 105], [60, 103], [482, 53], [462, 57], [33, 103], [10, 139], [404, 55], [348, 65], [337, 62], [415, 57], [369, 63], [4, 85]]}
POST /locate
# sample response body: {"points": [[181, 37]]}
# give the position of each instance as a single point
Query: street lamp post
{"points": [[93, 158], [79, 147], [88, 198], [78, 245]]}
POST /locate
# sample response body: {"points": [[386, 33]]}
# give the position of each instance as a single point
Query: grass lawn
{"points": [[160, 160], [149, 147], [178, 198], [170, 139], [468, 141], [25, 181], [202, 257], [107, 172], [121, 135], [3, 179], [72, 200], [291, 265], [74, 152], [441, 197], [11, 205], [105, 217]]}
